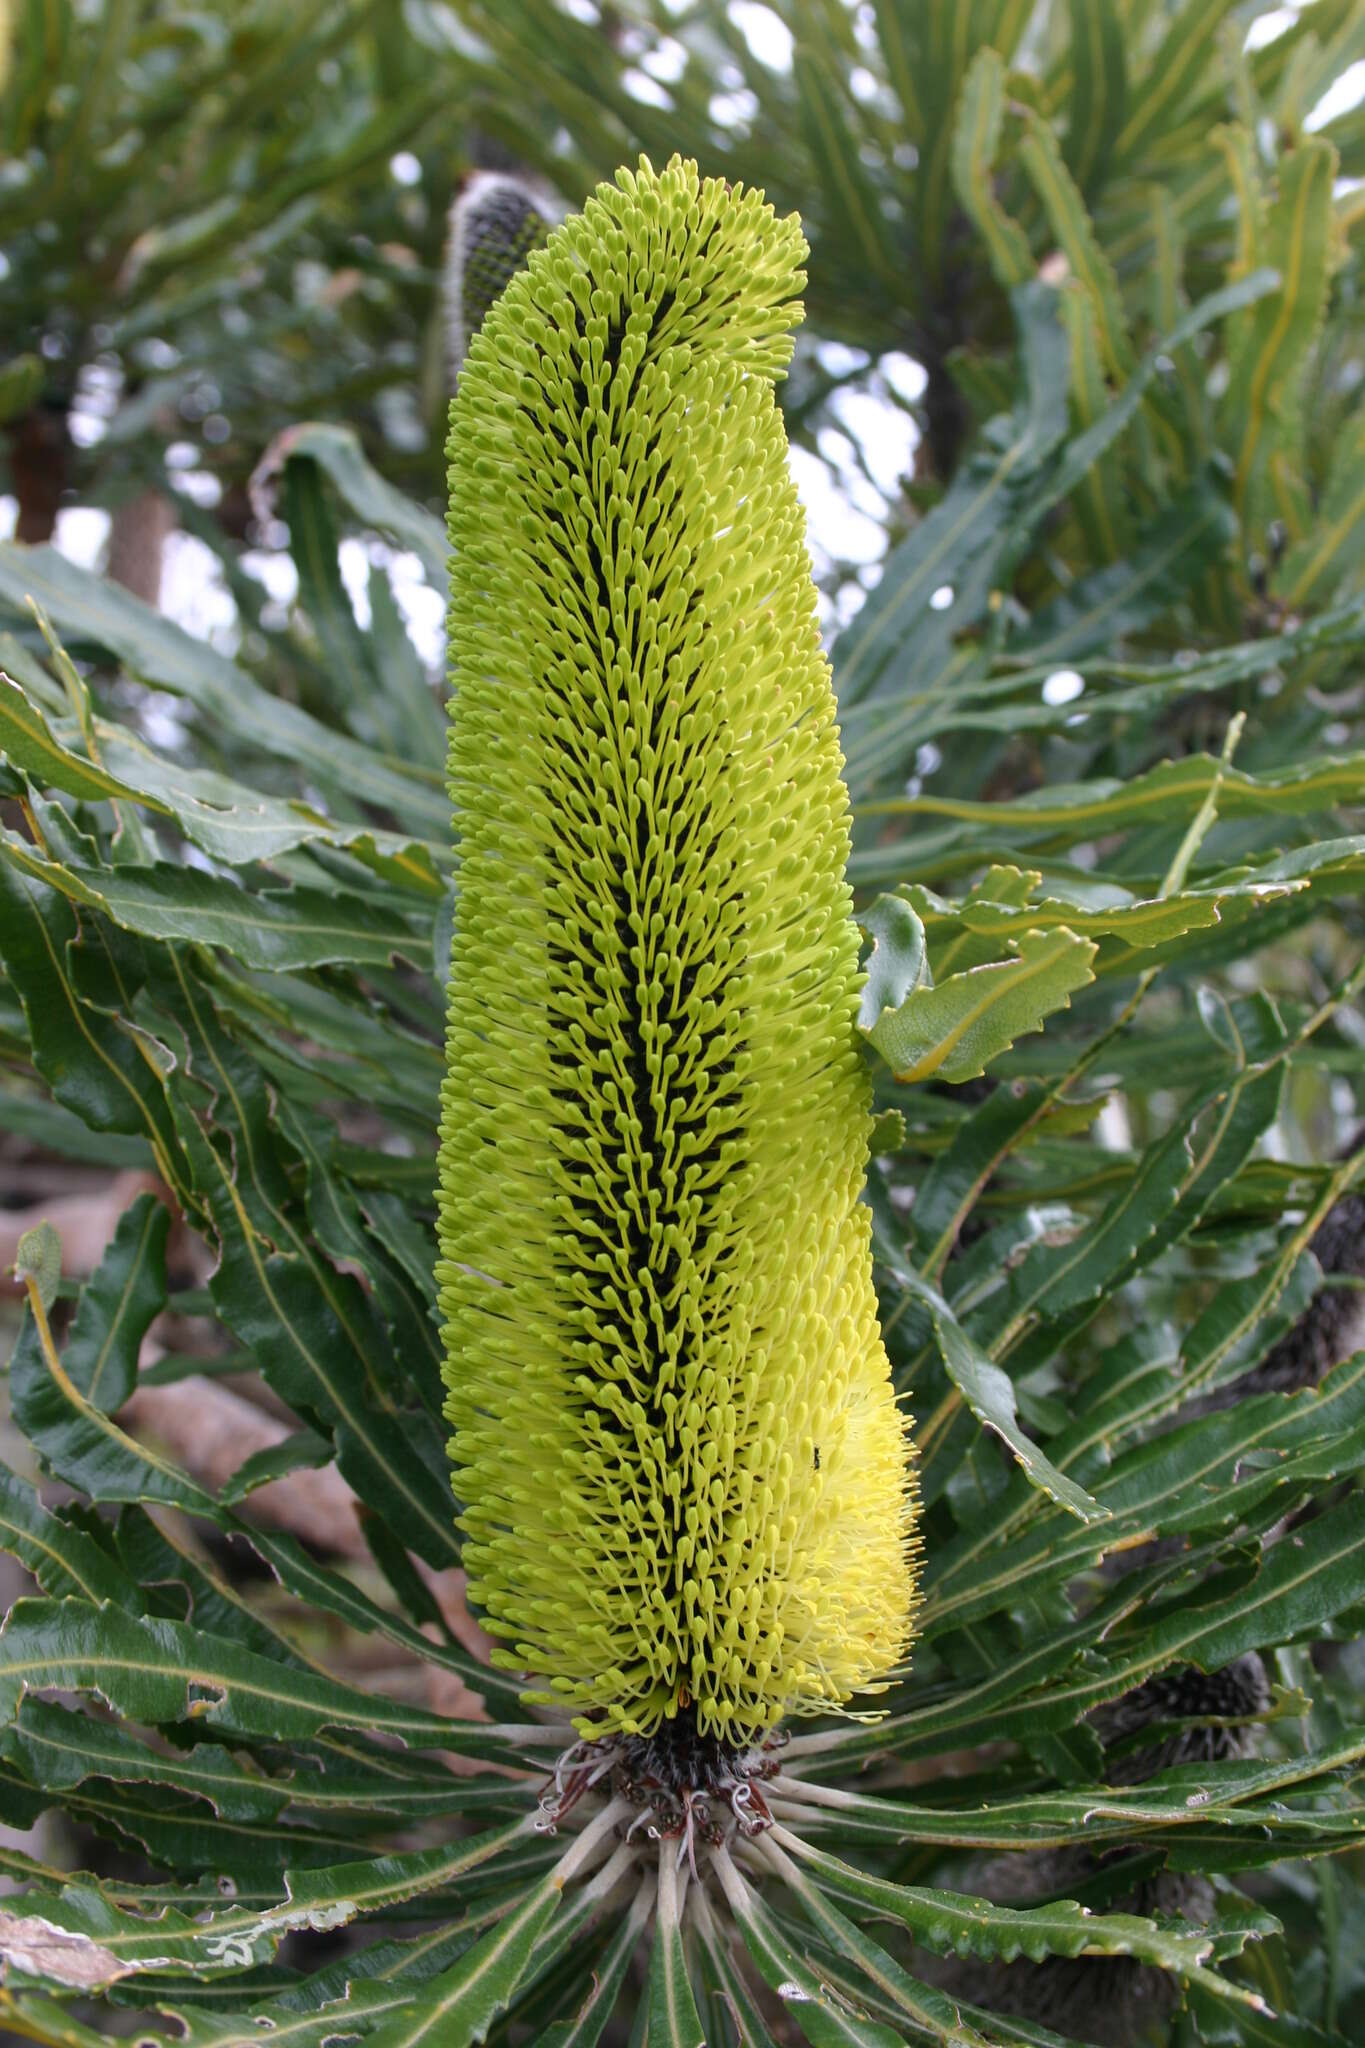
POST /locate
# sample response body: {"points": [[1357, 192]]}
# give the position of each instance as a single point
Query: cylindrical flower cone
{"points": [[685, 1482]]}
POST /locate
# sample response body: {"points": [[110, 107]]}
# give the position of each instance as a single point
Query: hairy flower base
{"points": [[679, 1782]]}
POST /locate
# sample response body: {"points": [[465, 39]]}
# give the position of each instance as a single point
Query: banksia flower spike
{"points": [[495, 223], [685, 1482]]}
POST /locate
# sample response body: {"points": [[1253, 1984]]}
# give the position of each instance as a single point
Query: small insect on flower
{"points": [[656, 1272]]}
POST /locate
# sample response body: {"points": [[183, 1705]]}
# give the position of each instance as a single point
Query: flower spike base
{"points": [[684, 1479]]}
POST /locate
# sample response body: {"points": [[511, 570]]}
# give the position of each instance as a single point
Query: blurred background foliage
{"points": [[1077, 415]]}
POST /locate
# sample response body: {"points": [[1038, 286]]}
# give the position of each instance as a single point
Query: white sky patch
{"points": [[98, 389], [768, 37], [1267, 28], [839, 360], [888, 437], [194, 594], [1343, 94], [201, 485], [423, 609], [81, 534], [732, 109], [907, 378], [9, 516], [405, 168], [666, 62], [647, 90], [274, 571], [354, 560], [837, 530], [1063, 686]]}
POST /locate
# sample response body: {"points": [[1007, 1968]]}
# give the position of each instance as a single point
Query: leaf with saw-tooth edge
{"points": [[1165, 559], [1099, 94], [312, 1328], [954, 1030], [976, 141], [86, 609], [929, 2011], [62, 1558], [1259, 416], [824, 2017], [93, 1067], [1332, 554], [62, 1408], [952, 1924], [847, 188], [338, 451], [27, 741], [107, 1943], [1075, 233], [266, 928], [989, 1393], [1177, 70], [159, 1670], [961, 543], [462, 2003]]}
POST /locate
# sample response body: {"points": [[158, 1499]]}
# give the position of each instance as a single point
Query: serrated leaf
{"points": [[1332, 554], [85, 608], [825, 2018], [63, 1558], [955, 1030], [1259, 413], [263, 928], [1253, 1799], [586, 2026], [1099, 95], [1300, 1586], [337, 450], [963, 543], [28, 742], [1168, 556], [989, 1393], [1075, 233], [976, 142], [930, 2011], [1063, 814], [954, 1924], [62, 1407], [159, 1670], [463, 2002], [237, 824], [95, 1944], [95, 1069], [1177, 69]]}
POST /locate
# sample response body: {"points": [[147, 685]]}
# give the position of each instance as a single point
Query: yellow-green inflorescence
{"points": [[686, 1485]]}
